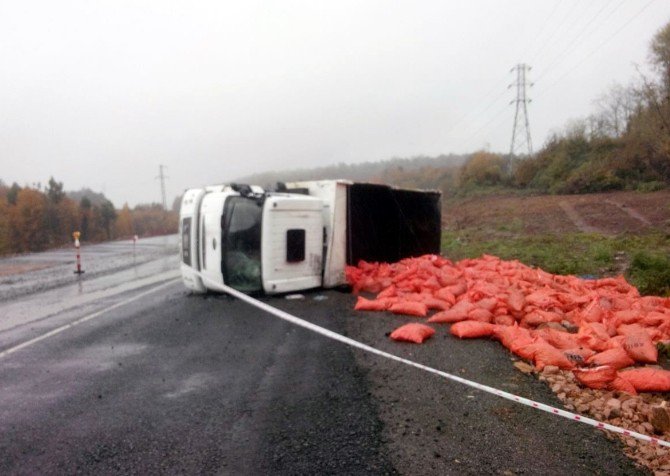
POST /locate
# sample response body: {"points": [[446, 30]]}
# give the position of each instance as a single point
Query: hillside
{"points": [[603, 234], [605, 213]]}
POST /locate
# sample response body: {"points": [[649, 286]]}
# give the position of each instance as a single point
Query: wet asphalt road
{"points": [[187, 385], [175, 383]]}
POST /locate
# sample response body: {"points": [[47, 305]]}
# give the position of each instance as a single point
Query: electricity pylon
{"points": [[161, 176], [521, 129]]}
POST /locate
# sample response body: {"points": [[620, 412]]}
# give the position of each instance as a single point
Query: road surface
{"points": [[123, 371]]}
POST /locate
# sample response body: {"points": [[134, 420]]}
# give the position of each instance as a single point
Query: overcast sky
{"points": [[99, 93]]}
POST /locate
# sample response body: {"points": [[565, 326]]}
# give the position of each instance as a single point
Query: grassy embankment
{"points": [[642, 258]]}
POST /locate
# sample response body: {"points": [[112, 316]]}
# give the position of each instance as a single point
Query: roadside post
{"points": [[76, 236], [135, 238]]}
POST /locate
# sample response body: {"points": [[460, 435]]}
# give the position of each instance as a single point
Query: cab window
{"points": [[241, 258]]}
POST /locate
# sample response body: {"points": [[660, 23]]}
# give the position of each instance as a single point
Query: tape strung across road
{"points": [[81, 320], [485, 388]]}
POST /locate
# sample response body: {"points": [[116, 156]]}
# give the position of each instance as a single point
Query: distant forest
{"points": [[387, 171], [35, 218]]}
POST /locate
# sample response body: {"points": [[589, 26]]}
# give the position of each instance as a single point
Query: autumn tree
{"points": [[647, 144], [660, 57], [55, 191], [13, 193], [5, 246], [107, 216], [27, 220], [124, 223], [150, 220], [483, 169], [85, 215]]}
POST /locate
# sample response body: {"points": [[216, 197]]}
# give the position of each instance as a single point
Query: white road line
{"points": [[485, 388], [81, 320]]}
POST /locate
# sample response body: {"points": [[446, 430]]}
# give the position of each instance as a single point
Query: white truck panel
{"points": [[211, 210], [334, 196], [302, 215]]}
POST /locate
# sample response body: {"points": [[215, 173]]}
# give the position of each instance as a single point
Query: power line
{"points": [[476, 112], [567, 49], [607, 40], [558, 28], [493, 118], [541, 27]]}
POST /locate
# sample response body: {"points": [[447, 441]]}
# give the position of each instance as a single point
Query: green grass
{"points": [[644, 259]]}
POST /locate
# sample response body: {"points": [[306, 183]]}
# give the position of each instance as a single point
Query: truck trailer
{"points": [[300, 235]]}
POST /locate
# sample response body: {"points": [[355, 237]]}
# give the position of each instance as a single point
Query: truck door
{"points": [[292, 243]]}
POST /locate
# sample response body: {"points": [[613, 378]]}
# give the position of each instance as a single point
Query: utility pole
{"points": [[521, 129], [161, 176]]}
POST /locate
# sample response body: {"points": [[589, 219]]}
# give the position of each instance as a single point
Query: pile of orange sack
{"points": [[601, 329]]}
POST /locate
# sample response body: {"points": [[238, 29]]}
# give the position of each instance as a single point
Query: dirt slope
{"points": [[606, 213]]}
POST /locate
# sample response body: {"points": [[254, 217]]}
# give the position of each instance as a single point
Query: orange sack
{"points": [[527, 350], [516, 301], [617, 358], [435, 303], [640, 348], [647, 379], [546, 354], [504, 320], [410, 308], [363, 304], [413, 332], [599, 377], [578, 355], [622, 385], [457, 313], [472, 329], [513, 337], [559, 339], [480, 314], [445, 295]]}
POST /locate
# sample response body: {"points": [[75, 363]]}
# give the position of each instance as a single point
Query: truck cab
{"points": [[252, 241]]}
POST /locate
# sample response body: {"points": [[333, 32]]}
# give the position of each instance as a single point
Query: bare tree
{"points": [[615, 108]]}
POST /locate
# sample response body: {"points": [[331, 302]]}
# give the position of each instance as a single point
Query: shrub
{"points": [[650, 272]]}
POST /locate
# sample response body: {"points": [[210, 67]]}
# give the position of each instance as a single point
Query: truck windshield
{"points": [[241, 239]]}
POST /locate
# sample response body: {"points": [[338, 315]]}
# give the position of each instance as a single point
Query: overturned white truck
{"points": [[302, 235]]}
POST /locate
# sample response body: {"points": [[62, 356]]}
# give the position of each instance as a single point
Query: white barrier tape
{"points": [[485, 388]]}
